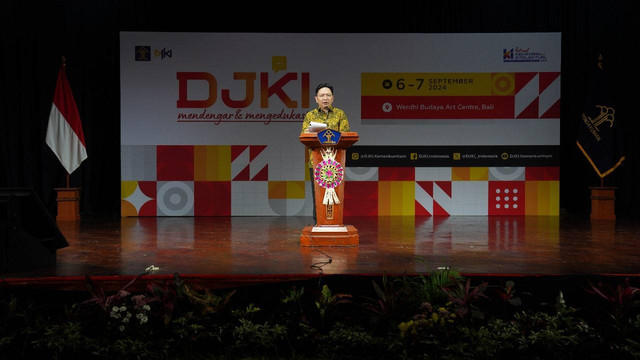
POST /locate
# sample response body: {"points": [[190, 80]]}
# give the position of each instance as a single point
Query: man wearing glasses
{"points": [[325, 113]]}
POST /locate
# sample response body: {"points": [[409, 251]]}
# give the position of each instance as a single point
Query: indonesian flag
{"points": [[64, 132]]}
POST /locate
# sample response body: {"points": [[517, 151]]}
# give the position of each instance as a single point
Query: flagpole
{"points": [[600, 67], [64, 114], [602, 198], [64, 64]]}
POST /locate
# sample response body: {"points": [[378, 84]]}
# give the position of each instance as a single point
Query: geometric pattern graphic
{"points": [[526, 99], [138, 162], [506, 197], [396, 174], [549, 98], [442, 199], [433, 173], [469, 197], [249, 163], [433, 198], [424, 198], [234, 180], [469, 174], [309, 205], [288, 207], [360, 198], [542, 198], [537, 95], [287, 197], [212, 198], [506, 173], [396, 198], [138, 198], [502, 84], [286, 189], [250, 198], [212, 163], [286, 162], [175, 198], [540, 173], [175, 163], [361, 173]]}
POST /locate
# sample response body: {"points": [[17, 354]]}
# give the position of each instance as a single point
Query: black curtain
{"points": [[35, 35]]}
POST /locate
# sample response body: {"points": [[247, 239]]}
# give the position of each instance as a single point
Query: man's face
{"points": [[324, 98]]}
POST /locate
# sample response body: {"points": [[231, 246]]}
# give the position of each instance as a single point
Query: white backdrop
{"points": [[154, 67], [149, 89]]}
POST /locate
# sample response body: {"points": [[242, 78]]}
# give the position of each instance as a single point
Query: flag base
{"points": [[68, 204], [329, 235], [603, 201]]}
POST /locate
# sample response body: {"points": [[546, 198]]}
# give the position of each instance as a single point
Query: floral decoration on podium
{"points": [[329, 174]]}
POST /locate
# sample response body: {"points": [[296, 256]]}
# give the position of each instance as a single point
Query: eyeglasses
{"points": [[325, 95]]}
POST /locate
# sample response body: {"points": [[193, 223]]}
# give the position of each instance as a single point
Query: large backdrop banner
{"points": [[449, 124]]}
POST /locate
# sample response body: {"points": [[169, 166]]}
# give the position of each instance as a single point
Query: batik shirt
{"points": [[334, 118]]}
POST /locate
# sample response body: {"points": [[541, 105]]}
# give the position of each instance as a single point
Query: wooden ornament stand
{"points": [[329, 231], [68, 204], [603, 201]]}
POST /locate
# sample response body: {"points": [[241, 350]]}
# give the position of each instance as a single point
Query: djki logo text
{"points": [[249, 78]]}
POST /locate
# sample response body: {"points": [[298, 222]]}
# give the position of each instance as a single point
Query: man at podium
{"points": [[325, 113]]}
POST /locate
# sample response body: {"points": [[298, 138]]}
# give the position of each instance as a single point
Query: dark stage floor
{"points": [[268, 248]]}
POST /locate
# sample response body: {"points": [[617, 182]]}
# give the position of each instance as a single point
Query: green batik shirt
{"points": [[334, 118]]}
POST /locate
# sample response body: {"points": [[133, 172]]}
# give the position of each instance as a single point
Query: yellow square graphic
{"points": [[460, 174], [295, 189], [542, 198], [479, 174], [277, 189], [286, 189], [396, 198]]}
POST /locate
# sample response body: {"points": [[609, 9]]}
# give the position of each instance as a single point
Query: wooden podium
{"points": [[68, 204], [329, 177], [603, 202]]}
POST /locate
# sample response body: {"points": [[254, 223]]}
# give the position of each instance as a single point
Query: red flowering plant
{"points": [[464, 297], [621, 298]]}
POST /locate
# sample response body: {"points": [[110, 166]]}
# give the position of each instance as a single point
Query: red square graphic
{"points": [[361, 198], [212, 198], [396, 173], [174, 163], [542, 173], [506, 198]]}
